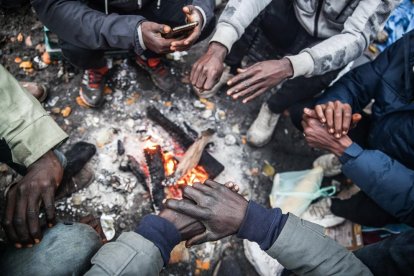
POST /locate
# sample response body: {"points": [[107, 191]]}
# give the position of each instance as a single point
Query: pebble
{"points": [[122, 225], [199, 104], [230, 140], [206, 114], [76, 200]]}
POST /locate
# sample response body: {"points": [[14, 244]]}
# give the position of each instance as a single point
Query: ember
{"points": [[196, 175]]}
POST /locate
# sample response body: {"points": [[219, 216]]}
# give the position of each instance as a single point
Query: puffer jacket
{"points": [[385, 169], [345, 27], [105, 24]]}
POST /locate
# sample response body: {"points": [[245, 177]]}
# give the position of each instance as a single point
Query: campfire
{"points": [[166, 173], [170, 163]]}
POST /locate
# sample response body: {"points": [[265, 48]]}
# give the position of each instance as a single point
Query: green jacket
{"points": [[301, 247], [25, 126]]}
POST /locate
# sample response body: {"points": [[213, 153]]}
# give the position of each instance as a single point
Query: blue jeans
{"points": [[64, 250]]}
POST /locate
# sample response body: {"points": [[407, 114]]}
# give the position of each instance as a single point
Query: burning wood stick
{"points": [[192, 156], [153, 157]]}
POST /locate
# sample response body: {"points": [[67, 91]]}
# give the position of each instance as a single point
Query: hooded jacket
{"points": [[346, 28]]}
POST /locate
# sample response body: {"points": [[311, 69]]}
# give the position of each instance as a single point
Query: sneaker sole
{"points": [[86, 102]]}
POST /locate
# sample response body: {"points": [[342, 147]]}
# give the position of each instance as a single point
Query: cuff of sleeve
{"points": [[139, 41], [35, 140], [225, 34], [203, 14], [271, 223], [161, 232], [351, 152], [302, 64]]}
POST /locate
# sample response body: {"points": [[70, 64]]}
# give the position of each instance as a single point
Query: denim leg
{"points": [[392, 256], [298, 90], [64, 250], [82, 58]]}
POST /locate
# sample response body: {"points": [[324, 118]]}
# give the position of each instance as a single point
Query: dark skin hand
{"points": [[317, 136], [208, 69], [38, 186], [219, 208], [337, 116], [192, 15], [187, 226], [152, 37], [253, 81]]}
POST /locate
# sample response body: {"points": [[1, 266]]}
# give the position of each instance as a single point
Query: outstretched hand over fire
{"points": [[218, 207]]}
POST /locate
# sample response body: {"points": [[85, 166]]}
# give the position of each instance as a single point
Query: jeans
{"points": [[278, 25], [64, 250], [170, 14]]}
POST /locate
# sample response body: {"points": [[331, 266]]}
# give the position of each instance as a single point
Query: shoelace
{"points": [[94, 77]]}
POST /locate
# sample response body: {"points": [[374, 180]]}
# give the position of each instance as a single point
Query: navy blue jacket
{"points": [[385, 169], [85, 23]]}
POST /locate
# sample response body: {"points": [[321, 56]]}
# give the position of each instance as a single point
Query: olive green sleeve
{"points": [[26, 127]]}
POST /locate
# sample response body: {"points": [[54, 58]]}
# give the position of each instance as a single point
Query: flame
{"points": [[149, 144]]}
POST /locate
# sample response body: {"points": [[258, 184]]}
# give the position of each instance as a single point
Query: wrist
{"points": [[341, 145], [287, 68], [218, 50]]}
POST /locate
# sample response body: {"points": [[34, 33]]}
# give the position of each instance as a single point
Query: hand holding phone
{"points": [[193, 16]]}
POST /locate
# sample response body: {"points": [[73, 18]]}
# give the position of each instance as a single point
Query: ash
{"points": [[119, 195]]}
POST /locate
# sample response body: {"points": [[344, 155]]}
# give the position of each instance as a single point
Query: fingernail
{"points": [[50, 225], [331, 130], [164, 201], [344, 132], [323, 120], [306, 110], [36, 241], [17, 245], [229, 83], [29, 245], [338, 135]]}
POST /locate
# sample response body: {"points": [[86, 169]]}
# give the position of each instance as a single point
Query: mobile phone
{"points": [[181, 31]]}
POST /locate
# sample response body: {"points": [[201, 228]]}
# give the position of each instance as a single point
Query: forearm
{"points": [[303, 248], [338, 50], [386, 181], [142, 252], [89, 28], [235, 18], [26, 127]]}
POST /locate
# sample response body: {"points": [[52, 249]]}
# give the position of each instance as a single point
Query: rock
{"points": [[235, 129], [129, 123], [4, 168], [120, 147], [206, 114], [199, 104], [76, 200], [104, 137], [56, 110], [122, 225], [107, 223], [220, 115], [28, 41], [17, 60], [230, 140]]}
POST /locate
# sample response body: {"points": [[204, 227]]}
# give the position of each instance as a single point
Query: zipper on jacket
{"points": [[158, 4], [139, 3], [318, 13]]}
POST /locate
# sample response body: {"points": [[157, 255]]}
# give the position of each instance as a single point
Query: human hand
{"points": [[152, 37], [192, 15], [337, 116], [218, 207], [317, 136], [21, 221], [253, 81], [187, 226], [209, 68]]}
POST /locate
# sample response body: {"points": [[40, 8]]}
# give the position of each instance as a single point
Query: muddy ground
{"points": [[123, 114]]}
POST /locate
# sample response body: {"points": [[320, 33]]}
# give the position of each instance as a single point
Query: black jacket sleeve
{"points": [[208, 7], [76, 23]]}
